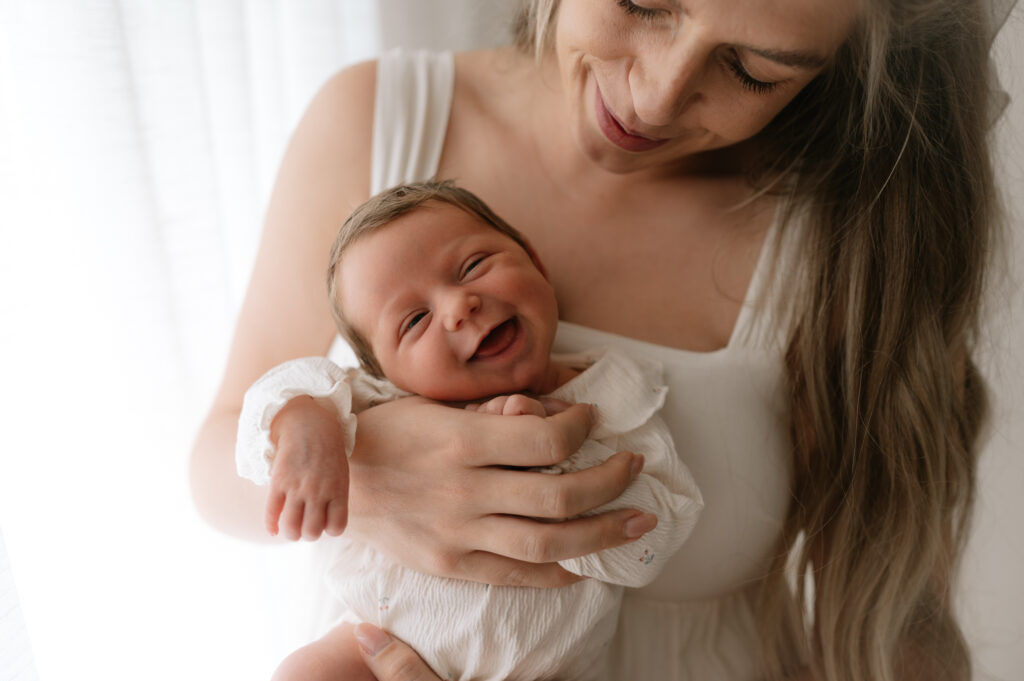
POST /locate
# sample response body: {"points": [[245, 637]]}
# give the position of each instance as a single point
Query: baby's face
{"points": [[453, 309]]}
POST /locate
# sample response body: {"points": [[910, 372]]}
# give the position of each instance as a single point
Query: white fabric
{"points": [[405, 143], [726, 412], [316, 377], [523, 634]]}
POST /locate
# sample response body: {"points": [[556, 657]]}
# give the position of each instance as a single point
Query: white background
{"points": [[138, 140]]}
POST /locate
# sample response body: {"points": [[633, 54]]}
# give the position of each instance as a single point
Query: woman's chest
{"points": [[668, 268]]}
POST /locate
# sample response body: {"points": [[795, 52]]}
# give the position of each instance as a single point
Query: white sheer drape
{"points": [[138, 141]]}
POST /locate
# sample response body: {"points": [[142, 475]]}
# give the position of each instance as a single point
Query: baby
{"points": [[441, 298]]}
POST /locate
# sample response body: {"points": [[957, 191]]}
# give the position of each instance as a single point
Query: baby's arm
{"points": [[665, 488], [295, 433]]}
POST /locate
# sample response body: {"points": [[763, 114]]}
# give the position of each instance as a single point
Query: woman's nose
{"points": [[665, 80], [458, 306]]}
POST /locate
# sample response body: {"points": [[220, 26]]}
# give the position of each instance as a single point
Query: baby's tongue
{"points": [[497, 340]]}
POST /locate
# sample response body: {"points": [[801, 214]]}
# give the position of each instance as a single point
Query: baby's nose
{"points": [[459, 306]]}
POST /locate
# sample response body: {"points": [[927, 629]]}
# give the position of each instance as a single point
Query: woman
{"points": [[750, 192]]}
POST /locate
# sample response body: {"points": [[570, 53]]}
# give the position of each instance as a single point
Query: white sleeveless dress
{"points": [[726, 410]]}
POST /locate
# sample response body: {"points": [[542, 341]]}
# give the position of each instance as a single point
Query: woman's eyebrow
{"points": [[804, 60]]}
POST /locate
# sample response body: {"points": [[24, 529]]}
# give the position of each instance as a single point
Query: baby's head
{"points": [[441, 296]]}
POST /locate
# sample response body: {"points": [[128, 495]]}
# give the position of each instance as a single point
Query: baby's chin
{"points": [[484, 390], [468, 396]]}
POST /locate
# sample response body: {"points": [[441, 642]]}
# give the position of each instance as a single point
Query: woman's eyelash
{"points": [[748, 81], [637, 10]]}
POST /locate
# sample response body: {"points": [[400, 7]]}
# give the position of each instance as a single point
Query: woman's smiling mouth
{"points": [[616, 133]]}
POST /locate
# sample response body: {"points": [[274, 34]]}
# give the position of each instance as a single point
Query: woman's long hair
{"points": [[883, 161], [887, 154]]}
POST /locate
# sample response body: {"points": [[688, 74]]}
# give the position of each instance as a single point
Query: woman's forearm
{"points": [[224, 500]]}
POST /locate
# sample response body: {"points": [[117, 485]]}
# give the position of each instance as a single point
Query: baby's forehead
{"points": [[430, 217]]}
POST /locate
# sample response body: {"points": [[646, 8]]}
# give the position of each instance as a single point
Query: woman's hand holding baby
{"points": [[431, 488], [308, 493]]}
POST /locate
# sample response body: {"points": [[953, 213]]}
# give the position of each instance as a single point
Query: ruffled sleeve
{"points": [[318, 377]]}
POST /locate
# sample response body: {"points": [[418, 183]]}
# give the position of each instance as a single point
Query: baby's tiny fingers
{"points": [[291, 519], [314, 518], [337, 517], [275, 503]]}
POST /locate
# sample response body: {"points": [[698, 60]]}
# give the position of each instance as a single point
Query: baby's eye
{"points": [[472, 264], [413, 321]]}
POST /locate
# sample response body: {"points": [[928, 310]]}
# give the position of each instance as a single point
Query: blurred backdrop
{"points": [[138, 143]]}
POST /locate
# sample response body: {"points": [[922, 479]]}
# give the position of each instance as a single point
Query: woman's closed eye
{"points": [[741, 74], [637, 10]]}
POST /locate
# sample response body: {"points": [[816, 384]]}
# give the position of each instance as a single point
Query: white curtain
{"points": [[138, 142]]}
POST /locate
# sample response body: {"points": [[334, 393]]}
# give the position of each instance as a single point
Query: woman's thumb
{"points": [[388, 658]]}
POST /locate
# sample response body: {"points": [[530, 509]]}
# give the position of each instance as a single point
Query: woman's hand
{"points": [[390, 659], [431, 487]]}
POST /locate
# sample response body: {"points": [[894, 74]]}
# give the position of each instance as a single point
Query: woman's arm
{"points": [[323, 176]]}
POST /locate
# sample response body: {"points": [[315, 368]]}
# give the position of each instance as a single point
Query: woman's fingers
{"points": [[531, 541], [529, 441], [490, 568], [532, 494], [388, 658]]}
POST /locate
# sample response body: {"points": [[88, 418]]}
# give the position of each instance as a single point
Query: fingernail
{"points": [[639, 525], [636, 466], [593, 412], [371, 639]]}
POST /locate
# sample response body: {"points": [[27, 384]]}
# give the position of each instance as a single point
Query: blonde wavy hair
{"points": [[885, 158]]}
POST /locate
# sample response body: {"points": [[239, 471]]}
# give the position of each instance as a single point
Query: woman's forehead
{"points": [[797, 26]]}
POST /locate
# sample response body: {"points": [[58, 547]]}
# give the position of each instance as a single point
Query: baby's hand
{"points": [[309, 479], [519, 405]]}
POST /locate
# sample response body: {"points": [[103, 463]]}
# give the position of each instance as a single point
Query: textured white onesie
{"points": [[504, 633]]}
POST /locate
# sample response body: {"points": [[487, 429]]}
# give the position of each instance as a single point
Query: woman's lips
{"points": [[617, 134]]}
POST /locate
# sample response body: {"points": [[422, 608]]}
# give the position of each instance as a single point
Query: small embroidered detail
{"points": [[383, 603], [647, 558]]}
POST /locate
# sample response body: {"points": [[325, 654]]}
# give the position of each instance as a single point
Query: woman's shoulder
{"points": [[349, 92]]}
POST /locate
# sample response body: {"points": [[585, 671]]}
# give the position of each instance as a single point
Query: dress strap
{"points": [[763, 321], [414, 97]]}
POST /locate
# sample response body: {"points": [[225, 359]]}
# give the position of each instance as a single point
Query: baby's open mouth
{"points": [[498, 340]]}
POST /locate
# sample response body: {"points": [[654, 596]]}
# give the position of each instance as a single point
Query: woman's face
{"points": [[653, 81]]}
